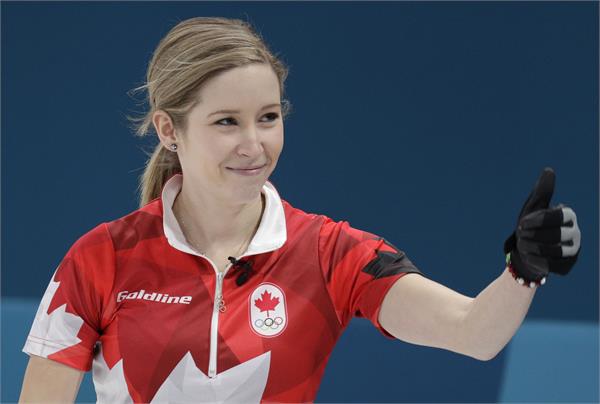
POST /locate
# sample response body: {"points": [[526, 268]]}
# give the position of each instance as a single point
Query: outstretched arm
{"points": [[423, 312], [547, 239]]}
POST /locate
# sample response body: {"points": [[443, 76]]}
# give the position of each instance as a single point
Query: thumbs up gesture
{"points": [[547, 239]]}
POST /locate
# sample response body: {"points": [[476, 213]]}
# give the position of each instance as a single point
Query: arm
{"points": [[423, 312], [49, 381]]}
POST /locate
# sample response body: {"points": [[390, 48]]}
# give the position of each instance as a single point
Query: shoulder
{"points": [[296, 213], [343, 232], [328, 228], [141, 224], [295, 217], [94, 241]]}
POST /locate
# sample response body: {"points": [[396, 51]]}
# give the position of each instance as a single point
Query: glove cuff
{"points": [[520, 279]]}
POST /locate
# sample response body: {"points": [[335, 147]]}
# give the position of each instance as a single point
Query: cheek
{"points": [[204, 158], [277, 142], [216, 151]]}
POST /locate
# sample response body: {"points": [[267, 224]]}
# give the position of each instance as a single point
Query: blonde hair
{"points": [[190, 54]]}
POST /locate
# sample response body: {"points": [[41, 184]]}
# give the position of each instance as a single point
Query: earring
{"points": [[173, 147]]}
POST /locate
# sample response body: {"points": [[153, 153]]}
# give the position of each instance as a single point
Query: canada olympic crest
{"points": [[268, 310]]}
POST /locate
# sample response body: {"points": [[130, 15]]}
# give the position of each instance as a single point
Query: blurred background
{"points": [[425, 123]]}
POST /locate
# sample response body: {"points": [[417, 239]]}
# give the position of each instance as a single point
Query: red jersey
{"points": [[156, 320]]}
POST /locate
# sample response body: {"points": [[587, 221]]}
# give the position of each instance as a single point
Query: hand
{"points": [[546, 239]]}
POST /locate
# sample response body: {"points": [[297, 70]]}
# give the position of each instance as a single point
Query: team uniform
{"points": [[157, 322]]}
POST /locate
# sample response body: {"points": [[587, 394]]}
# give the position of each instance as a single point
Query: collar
{"points": [[271, 233]]}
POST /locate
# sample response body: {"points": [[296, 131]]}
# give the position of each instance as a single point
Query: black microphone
{"points": [[245, 268]]}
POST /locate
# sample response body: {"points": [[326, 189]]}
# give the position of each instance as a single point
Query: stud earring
{"points": [[173, 147]]}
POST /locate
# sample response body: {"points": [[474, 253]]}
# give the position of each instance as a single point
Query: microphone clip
{"points": [[244, 268]]}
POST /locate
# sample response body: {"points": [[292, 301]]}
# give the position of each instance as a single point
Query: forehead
{"points": [[242, 87]]}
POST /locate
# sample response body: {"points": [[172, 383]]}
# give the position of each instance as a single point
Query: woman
{"points": [[218, 290]]}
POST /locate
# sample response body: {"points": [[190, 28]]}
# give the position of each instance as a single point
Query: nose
{"points": [[250, 144]]}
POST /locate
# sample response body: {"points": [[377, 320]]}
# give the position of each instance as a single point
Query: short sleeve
{"points": [[359, 269], [71, 316]]}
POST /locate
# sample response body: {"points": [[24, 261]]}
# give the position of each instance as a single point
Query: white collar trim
{"points": [[271, 233]]}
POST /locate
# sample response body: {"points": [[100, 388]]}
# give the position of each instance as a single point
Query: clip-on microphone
{"points": [[245, 268]]}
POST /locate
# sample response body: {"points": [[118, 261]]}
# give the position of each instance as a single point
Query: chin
{"points": [[245, 193]]}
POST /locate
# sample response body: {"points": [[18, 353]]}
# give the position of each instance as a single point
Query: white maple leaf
{"points": [[51, 333], [244, 383], [110, 384]]}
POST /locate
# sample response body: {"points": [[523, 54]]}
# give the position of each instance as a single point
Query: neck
{"points": [[213, 224]]}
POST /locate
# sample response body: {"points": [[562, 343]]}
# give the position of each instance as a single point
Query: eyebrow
{"points": [[235, 111]]}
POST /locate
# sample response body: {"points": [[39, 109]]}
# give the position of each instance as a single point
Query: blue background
{"points": [[425, 123]]}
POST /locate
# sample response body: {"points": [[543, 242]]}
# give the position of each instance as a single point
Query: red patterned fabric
{"points": [[310, 276]]}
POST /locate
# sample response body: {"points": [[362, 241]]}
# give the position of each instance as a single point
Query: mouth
{"points": [[248, 170]]}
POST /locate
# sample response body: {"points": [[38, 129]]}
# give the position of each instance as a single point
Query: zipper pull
{"points": [[220, 301]]}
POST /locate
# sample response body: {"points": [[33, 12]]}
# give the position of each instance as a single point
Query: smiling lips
{"points": [[248, 168], [248, 171]]}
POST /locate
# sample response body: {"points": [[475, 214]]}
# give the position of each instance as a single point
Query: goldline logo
{"points": [[153, 296]]}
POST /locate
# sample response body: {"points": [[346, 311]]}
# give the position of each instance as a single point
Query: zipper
{"points": [[218, 307]]}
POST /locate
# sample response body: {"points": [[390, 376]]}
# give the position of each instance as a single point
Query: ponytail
{"points": [[161, 166]]}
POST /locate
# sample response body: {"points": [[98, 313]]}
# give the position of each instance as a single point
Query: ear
{"points": [[163, 124]]}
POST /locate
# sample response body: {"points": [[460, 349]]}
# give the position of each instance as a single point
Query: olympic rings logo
{"points": [[272, 323]]}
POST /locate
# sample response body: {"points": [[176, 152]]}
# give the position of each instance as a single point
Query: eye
{"points": [[226, 122], [271, 116]]}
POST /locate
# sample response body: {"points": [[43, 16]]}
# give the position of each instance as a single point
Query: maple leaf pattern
{"points": [[53, 332], [266, 302], [244, 383], [110, 384]]}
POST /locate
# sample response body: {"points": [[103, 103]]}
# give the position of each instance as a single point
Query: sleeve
{"points": [[359, 268], [70, 316]]}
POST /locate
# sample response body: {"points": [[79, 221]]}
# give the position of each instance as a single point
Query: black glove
{"points": [[546, 239]]}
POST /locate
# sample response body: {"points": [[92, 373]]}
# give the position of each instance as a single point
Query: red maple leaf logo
{"points": [[266, 302]]}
